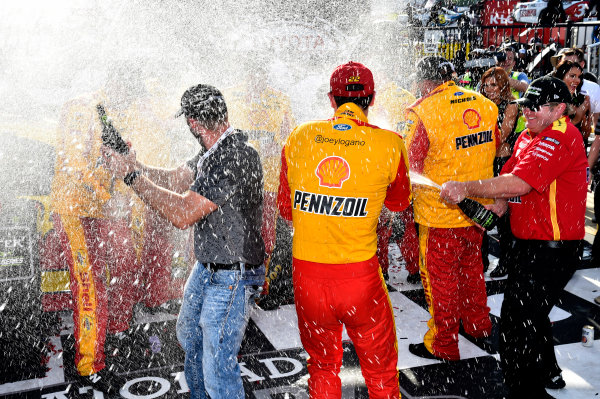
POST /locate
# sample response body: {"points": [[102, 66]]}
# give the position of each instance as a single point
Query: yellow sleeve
{"points": [[78, 167]]}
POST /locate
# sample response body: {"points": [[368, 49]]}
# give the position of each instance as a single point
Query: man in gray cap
{"points": [[222, 198], [451, 134]]}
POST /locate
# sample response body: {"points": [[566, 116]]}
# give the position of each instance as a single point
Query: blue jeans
{"points": [[210, 328]]}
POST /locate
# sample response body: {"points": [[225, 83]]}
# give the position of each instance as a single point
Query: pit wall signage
{"points": [[15, 254], [500, 12]]}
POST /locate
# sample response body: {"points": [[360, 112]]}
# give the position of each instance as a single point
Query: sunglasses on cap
{"points": [[538, 108]]}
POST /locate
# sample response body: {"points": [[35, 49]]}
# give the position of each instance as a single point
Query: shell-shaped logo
{"points": [[471, 118], [333, 172]]}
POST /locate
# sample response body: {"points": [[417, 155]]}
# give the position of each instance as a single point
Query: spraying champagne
{"points": [[473, 209], [110, 135]]}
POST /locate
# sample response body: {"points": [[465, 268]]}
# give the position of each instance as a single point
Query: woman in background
{"points": [[581, 116]]}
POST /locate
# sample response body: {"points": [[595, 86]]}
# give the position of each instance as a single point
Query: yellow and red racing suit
{"points": [[389, 111], [90, 220], [451, 135], [102, 267], [152, 235], [336, 175]]}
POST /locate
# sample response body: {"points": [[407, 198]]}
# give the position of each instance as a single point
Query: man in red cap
{"points": [[336, 176]]}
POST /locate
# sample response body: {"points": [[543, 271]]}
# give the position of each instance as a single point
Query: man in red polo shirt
{"points": [[544, 185]]}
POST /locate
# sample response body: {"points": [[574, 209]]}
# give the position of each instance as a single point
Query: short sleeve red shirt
{"points": [[554, 164]]}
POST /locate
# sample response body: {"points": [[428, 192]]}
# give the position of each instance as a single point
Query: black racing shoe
{"points": [[105, 381], [421, 351], [499, 271], [414, 278], [556, 382]]}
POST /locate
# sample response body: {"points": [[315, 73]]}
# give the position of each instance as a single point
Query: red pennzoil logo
{"points": [[471, 118], [333, 172]]}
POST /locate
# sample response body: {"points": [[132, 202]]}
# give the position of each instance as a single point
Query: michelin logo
{"points": [[330, 205], [462, 100]]}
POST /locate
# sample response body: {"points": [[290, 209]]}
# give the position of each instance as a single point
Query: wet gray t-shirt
{"points": [[232, 178]]}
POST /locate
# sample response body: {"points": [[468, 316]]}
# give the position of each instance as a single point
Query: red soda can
{"points": [[587, 336]]}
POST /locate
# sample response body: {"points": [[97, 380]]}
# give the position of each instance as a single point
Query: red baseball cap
{"points": [[352, 80]]}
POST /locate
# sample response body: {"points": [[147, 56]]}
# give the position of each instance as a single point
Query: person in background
{"points": [[581, 114], [390, 112], [265, 114], [146, 123], [441, 149], [545, 185], [518, 81], [588, 87], [535, 70], [593, 10], [224, 204], [336, 175], [553, 13], [595, 186], [92, 216], [494, 85], [521, 61], [474, 70]]}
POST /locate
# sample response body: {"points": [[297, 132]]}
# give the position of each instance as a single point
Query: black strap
{"points": [[564, 244], [232, 266], [131, 176]]}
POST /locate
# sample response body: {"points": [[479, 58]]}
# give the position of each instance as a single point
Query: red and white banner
{"points": [[498, 12]]}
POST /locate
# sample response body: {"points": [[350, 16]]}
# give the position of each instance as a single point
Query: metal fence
{"points": [[593, 58], [459, 41]]}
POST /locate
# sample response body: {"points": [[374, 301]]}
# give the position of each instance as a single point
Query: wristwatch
{"points": [[131, 176]]}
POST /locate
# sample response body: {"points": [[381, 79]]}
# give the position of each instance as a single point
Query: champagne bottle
{"points": [[110, 135], [477, 213]]}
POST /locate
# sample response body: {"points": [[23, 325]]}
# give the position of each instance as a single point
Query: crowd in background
{"points": [[525, 62]]}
